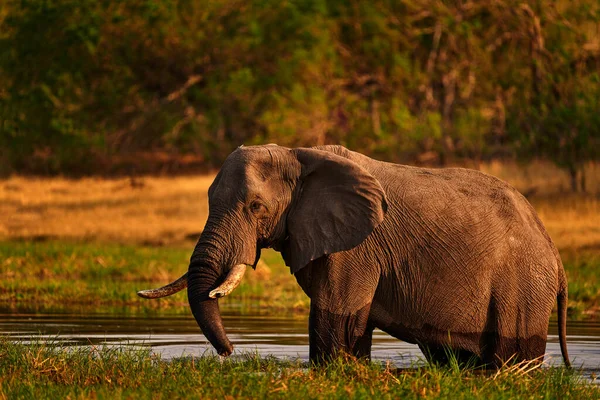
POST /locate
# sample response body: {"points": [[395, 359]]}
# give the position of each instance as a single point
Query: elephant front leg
{"points": [[341, 294], [332, 333]]}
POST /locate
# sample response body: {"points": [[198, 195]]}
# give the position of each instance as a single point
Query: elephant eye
{"points": [[258, 209]]}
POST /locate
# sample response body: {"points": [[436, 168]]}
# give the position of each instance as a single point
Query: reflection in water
{"points": [[282, 336]]}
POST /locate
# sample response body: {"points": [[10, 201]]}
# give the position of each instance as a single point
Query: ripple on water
{"points": [[284, 337]]}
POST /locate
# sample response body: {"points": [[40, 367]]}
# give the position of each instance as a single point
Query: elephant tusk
{"points": [[166, 290], [232, 280]]}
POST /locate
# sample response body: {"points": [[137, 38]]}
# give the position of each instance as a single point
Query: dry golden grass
{"points": [[144, 210], [169, 210], [573, 220], [541, 178]]}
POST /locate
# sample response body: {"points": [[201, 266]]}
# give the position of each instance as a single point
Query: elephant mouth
{"points": [[232, 280]]}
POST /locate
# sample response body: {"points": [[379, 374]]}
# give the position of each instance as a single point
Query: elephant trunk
{"points": [[214, 272], [201, 279], [207, 271]]}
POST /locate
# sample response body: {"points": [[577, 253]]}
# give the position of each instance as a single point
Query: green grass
{"points": [[50, 276], [583, 274], [41, 371]]}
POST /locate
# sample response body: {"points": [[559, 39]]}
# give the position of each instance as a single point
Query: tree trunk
{"points": [[573, 176]]}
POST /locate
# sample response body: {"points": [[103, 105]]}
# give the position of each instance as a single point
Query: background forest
{"points": [[90, 86]]}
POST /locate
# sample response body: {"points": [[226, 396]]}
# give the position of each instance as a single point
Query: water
{"points": [[281, 336]]}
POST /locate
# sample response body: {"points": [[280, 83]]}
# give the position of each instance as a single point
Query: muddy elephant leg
{"points": [[362, 347], [512, 337], [332, 333], [515, 350], [340, 306]]}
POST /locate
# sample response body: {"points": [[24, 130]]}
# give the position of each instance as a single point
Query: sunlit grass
{"points": [[42, 371], [143, 211], [52, 276], [540, 177], [583, 273]]}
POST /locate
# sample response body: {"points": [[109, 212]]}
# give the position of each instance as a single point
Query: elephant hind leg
{"points": [[509, 339], [515, 350]]}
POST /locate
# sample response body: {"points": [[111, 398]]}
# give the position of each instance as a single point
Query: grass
{"points": [[52, 276], [583, 275], [41, 371], [153, 211]]}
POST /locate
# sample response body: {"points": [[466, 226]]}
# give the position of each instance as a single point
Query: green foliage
{"points": [[47, 52], [82, 81], [559, 118]]}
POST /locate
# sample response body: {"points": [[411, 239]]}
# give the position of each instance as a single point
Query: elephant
{"points": [[451, 259]]}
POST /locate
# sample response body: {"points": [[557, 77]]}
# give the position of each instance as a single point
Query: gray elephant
{"points": [[453, 260]]}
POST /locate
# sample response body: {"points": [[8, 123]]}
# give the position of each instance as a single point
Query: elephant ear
{"points": [[337, 205]]}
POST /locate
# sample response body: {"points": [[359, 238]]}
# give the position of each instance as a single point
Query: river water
{"points": [[281, 336]]}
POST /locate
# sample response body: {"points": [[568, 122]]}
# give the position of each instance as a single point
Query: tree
{"points": [[559, 118]]}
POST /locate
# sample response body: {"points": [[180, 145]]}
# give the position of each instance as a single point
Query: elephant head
{"points": [[303, 202]]}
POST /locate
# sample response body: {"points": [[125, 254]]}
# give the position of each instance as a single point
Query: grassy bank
{"points": [[50, 276], [38, 371]]}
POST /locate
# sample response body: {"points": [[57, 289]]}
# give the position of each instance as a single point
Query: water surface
{"points": [[281, 336]]}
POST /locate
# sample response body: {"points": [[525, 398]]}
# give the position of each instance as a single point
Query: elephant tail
{"points": [[562, 314]]}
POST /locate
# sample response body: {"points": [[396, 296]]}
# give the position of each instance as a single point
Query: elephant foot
{"points": [[332, 335]]}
